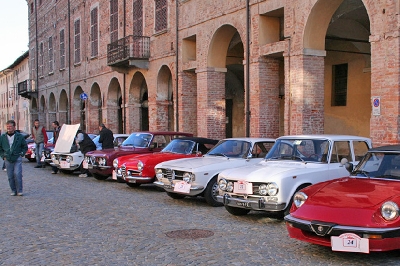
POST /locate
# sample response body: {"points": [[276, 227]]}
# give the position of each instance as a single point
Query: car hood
{"points": [[111, 151], [66, 138], [149, 158], [266, 170], [349, 201], [197, 163]]}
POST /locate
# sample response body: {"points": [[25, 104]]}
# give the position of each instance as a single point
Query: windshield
{"points": [[231, 149], [180, 146], [307, 150], [97, 143], [379, 165], [140, 140]]}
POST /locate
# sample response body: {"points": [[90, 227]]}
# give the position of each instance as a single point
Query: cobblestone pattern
{"points": [[66, 220]]}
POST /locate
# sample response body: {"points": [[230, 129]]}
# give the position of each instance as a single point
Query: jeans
{"points": [[38, 152], [14, 173]]}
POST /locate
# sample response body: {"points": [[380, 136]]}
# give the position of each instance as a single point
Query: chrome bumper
{"points": [[260, 204]]}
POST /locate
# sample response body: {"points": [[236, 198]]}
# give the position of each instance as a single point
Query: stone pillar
{"points": [[385, 63], [133, 117], [304, 93], [264, 98], [211, 103], [187, 102]]}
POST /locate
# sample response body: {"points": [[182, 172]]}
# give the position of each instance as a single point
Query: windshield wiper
{"points": [[362, 172], [219, 154]]}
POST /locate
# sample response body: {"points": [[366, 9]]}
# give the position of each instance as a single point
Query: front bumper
{"points": [[307, 231], [137, 179], [169, 187], [261, 204]]}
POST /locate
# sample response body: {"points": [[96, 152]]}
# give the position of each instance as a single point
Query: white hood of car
{"points": [[66, 138], [266, 170], [190, 164]]}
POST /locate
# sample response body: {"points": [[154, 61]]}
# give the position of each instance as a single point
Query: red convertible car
{"points": [[359, 213], [139, 169], [100, 162]]}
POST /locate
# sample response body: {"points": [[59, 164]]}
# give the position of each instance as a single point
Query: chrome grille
{"points": [[170, 174], [123, 170]]}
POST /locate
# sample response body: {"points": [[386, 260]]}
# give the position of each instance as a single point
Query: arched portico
{"points": [[112, 111], [137, 111], [164, 100], [79, 109], [95, 108], [63, 108], [52, 116]]}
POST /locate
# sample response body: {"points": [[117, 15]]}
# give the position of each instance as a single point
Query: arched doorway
{"points": [[63, 108], [113, 118], [95, 108], [79, 109], [165, 104], [137, 112], [52, 108]]}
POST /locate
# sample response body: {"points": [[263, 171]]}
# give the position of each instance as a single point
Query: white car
{"points": [[198, 176], [293, 163]]}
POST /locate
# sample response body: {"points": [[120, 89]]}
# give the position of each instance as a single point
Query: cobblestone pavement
{"points": [[66, 220]]}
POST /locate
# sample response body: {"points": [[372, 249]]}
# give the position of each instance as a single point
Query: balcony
{"points": [[27, 89], [131, 51]]}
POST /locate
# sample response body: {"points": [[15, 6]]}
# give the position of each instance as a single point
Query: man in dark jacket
{"points": [[12, 148], [106, 137], [85, 144]]}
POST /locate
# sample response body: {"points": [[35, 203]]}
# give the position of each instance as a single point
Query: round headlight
{"points": [[69, 159], [87, 159], [389, 210], [299, 198], [222, 184], [102, 161], [263, 189], [140, 166], [229, 187], [159, 174], [272, 189], [115, 163], [53, 157], [187, 177]]}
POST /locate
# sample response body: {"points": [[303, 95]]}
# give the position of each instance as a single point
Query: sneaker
{"points": [[83, 175], [4, 169], [13, 194], [20, 194]]}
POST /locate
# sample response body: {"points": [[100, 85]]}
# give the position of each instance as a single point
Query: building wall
{"points": [[198, 67]]}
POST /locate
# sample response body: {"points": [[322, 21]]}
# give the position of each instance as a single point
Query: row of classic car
{"points": [[356, 213]]}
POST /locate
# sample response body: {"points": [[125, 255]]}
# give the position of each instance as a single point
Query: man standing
{"points": [[39, 135], [85, 144], [56, 133], [106, 137], [12, 148]]}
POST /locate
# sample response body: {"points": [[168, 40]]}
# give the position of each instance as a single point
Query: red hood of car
{"points": [[153, 158], [348, 201]]}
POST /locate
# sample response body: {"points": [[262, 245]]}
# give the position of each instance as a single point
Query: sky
{"points": [[14, 36]]}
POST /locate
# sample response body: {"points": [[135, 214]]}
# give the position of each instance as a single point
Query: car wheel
{"points": [[133, 184], [175, 195], [120, 180], [211, 193], [100, 177], [237, 211]]}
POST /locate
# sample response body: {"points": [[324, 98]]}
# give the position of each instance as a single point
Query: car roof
{"points": [[388, 148], [199, 140], [325, 136], [252, 139], [162, 133]]}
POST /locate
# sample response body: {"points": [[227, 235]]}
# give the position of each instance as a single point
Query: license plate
{"points": [[182, 187], [33, 155], [114, 175], [64, 164], [243, 204], [167, 186], [42, 159], [85, 164], [243, 187], [350, 242], [90, 166]]}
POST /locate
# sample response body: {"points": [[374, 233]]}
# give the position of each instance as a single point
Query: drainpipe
{"points": [[248, 69], [69, 64], [176, 65], [124, 75], [37, 58]]}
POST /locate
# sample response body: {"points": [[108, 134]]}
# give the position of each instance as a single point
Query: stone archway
{"points": [[63, 108], [112, 115], [164, 100], [341, 30], [137, 110], [95, 108], [79, 109], [221, 87], [42, 111]]}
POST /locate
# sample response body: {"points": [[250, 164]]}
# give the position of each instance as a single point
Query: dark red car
{"points": [[100, 162], [139, 169]]}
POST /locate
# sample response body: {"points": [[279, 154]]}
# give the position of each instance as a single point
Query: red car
{"points": [[100, 162], [139, 169], [359, 213], [30, 153]]}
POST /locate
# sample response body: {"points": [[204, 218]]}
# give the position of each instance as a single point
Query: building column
{"points": [[211, 103], [187, 102], [304, 93], [264, 98]]}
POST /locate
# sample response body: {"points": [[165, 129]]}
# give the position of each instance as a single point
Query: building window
{"points": [[62, 49], [77, 47], [41, 60], [339, 85], [161, 15], [94, 32], [137, 17], [114, 20], [51, 55]]}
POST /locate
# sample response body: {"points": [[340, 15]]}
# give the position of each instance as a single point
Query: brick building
{"points": [[219, 68]]}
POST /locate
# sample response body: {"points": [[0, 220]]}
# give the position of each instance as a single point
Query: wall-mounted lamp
{"points": [[281, 91]]}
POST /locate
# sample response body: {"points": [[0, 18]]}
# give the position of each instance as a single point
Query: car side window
{"points": [[340, 150], [159, 141], [360, 149]]}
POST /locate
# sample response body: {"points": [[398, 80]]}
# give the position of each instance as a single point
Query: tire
{"points": [[237, 211], [211, 192], [133, 184], [100, 177], [120, 180], [175, 195]]}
